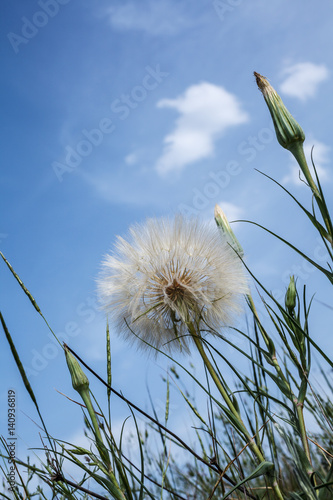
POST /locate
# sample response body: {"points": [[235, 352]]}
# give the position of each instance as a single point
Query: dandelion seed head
{"points": [[167, 273]]}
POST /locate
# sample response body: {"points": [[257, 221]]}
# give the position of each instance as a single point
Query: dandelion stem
{"points": [[223, 392], [241, 427]]}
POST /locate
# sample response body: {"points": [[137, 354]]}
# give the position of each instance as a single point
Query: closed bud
{"points": [[288, 131], [223, 223], [80, 381], [290, 298]]}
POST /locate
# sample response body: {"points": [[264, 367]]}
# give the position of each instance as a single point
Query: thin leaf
{"points": [[263, 469]]}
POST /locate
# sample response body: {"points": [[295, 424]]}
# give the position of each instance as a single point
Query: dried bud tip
{"points": [[262, 81], [288, 131]]}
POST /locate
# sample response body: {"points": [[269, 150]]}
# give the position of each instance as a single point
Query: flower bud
{"points": [[223, 223], [80, 381], [290, 298], [288, 131]]}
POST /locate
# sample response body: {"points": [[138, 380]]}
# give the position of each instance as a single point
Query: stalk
{"points": [[241, 426], [297, 150], [304, 436], [266, 340]]}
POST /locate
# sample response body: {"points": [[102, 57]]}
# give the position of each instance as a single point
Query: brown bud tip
{"points": [[262, 81], [288, 131]]}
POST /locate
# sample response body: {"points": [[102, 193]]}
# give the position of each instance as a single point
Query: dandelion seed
{"points": [[168, 274]]}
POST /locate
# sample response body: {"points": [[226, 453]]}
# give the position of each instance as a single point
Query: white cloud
{"points": [[155, 18], [302, 79], [206, 111], [320, 158]]}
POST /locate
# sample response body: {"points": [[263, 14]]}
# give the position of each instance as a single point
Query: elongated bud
{"points": [[80, 381], [290, 298], [288, 131], [223, 223]]}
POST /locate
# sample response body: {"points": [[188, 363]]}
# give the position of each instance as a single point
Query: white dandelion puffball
{"points": [[171, 272]]}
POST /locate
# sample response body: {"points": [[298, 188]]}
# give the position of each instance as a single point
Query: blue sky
{"points": [[117, 111]]}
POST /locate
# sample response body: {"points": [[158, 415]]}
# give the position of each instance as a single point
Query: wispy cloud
{"points": [[154, 18], [320, 158], [302, 79], [131, 158], [206, 111]]}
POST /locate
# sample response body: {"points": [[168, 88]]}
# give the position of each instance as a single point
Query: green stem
{"points": [[264, 336], [298, 404], [253, 446], [304, 436], [296, 148], [298, 151], [99, 441], [217, 382]]}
